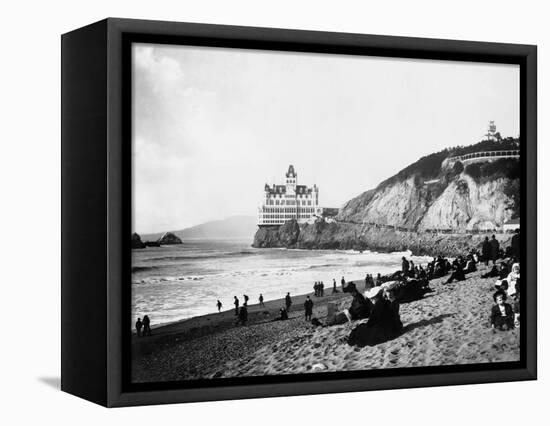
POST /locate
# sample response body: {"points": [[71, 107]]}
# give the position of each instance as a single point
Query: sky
{"points": [[212, 125]]}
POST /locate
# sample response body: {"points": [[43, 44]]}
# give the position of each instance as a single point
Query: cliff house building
{"points": [[281, 203]]}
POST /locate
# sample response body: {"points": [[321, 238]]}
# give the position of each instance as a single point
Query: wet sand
{"points": [[447, 327]]}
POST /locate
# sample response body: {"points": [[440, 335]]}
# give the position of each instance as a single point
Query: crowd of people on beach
{"points": [[379, 302]]}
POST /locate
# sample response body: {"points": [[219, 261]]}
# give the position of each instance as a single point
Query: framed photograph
{"points": [[255, 212]]}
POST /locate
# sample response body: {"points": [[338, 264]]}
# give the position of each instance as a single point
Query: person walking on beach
{"points": [[261, 299], [236, 303], [334, 289], [322, 288], [495, 249], [343, 282], [139, 326], [245, 297], [146, 326], [219, 305], [288, 302], [308, 307]]}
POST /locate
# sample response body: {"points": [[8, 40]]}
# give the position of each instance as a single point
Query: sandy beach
{"points": [[447, 327]]}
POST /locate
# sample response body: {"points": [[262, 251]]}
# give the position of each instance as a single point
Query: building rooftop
{"points": [[291, 172]]}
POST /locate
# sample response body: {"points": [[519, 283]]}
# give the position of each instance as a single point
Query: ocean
{"points": [[172, 283]]}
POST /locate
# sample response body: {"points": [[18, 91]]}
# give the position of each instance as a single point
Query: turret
{"points": [[291, 180]]}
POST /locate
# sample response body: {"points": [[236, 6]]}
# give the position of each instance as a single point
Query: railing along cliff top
{"points": [[512, 153]]}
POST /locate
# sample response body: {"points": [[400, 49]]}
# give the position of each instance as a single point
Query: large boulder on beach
{"points": [[168, 238], [136, 241]]}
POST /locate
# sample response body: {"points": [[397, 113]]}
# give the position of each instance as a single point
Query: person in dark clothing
{"points": [[457, 274], [502, 314], [486, 251], [515, 244], [261, 299], [308, 307], [315, 289], [492, 273], [236, 303], [288, 302], [219, 305], [283, 315], [322, 288], [343, 283], [495, 249], [243, 315], [405, 266], [470, 264], [245, 297], [146, 326], [360, 308], [139, 326], [334, 289], [384, 322]]}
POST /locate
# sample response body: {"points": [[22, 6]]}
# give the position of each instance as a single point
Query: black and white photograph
{"points": [[304, 213]]}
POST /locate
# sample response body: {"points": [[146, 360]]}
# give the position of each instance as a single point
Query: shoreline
{"points": [[448, 326]]}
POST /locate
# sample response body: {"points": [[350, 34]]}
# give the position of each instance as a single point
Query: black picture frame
{"points": [[96, 209]]}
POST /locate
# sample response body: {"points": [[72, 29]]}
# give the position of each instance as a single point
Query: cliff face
{"points": [[350, 236], [458, 202]]}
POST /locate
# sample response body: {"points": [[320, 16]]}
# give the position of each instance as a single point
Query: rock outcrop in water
{"points": [[136, 241], [428, 207], [168, 239]]}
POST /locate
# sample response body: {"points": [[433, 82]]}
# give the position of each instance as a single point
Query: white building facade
{"points": [[290, 201]]}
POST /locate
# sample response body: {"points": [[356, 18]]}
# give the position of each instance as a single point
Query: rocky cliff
{"points": [[428, 207]]}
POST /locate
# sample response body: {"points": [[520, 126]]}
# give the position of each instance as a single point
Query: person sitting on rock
{"points": [[502, 314]]}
